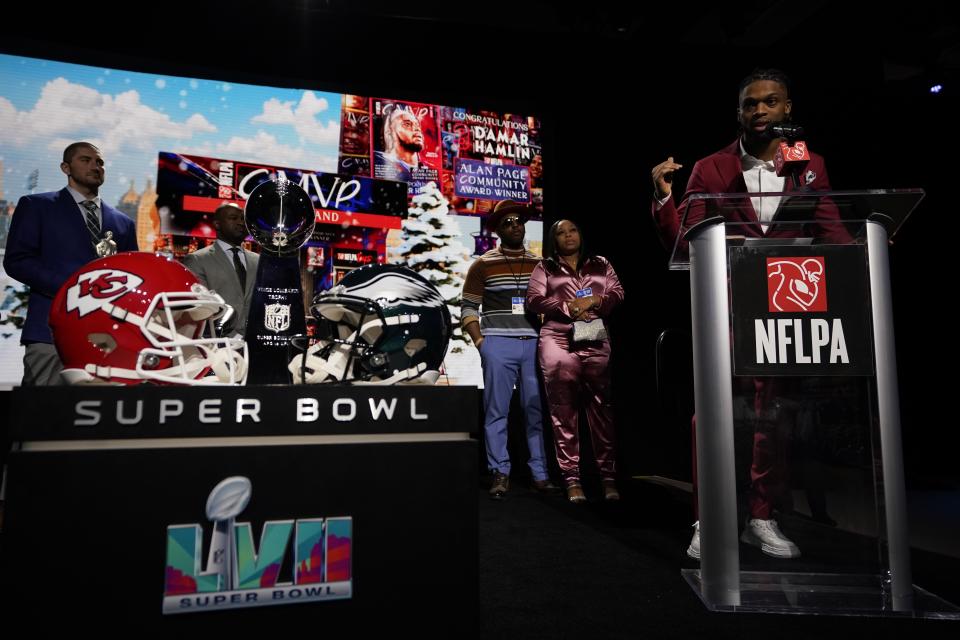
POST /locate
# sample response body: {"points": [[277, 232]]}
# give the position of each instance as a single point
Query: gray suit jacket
{"points": [[215, 269]]}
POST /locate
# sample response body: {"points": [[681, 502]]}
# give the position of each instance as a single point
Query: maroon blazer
{"points": [[722, 172]]}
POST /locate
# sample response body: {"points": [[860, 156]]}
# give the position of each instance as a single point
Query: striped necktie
{"points": [[93, 222]]}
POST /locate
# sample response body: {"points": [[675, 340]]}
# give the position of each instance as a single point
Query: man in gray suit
{"points": [[228, 268]]}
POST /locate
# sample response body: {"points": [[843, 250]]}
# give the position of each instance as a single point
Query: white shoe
{"points": [[694, 549], [766, 535]]}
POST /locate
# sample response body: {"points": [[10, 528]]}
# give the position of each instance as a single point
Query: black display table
{"points": [[358, 508]]}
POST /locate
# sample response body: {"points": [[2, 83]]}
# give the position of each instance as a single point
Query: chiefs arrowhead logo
{"points": [[95, 288]]}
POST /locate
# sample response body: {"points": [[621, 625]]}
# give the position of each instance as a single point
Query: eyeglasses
{"points": [[512, 221]]}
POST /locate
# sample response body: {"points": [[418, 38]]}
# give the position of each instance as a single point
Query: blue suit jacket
{"points": [[48, 240]]}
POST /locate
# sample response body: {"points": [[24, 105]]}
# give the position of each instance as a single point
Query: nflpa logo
{"points": [[796, 156], [796, 284], [796, 153]]}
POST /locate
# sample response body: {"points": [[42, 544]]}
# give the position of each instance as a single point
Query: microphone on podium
{"points": [[787, 130], [792, 153]]}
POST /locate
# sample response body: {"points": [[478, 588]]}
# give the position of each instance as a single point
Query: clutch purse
{"points": [[588, 331]]}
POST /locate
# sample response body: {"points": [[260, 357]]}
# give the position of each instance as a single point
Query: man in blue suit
{"points": [[51, 236]]}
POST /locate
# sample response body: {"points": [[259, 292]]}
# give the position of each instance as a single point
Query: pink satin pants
{"points": [[574, 379]]}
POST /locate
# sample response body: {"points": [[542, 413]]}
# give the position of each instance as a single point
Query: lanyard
{"points": [[516, 277]]}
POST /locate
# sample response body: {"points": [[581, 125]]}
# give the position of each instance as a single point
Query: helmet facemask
{"points": [[182, 332], [349, 344]]}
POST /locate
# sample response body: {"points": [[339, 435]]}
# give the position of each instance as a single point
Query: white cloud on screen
{"points": [[70, 110], [302, 117], [264, 148]]}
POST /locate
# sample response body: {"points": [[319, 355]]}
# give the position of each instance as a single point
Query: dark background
{"points": [[618, 90]]}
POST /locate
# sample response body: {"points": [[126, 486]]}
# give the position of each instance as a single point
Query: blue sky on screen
{"points": [[45, 105]]}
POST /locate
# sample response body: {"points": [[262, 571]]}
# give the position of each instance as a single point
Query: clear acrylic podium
{"points": [[797, 408]]}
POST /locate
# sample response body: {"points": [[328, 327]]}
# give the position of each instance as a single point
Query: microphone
{"points": [[786, 130], [793, 155]]}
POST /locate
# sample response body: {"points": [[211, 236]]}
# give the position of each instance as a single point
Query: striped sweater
{"points": [[492, 282]]}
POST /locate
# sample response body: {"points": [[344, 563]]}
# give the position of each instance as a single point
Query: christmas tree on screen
{"points": [[431, 246]]}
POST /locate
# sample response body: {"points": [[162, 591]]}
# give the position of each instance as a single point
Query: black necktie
{"points": [[93, 222], [241, 272]]}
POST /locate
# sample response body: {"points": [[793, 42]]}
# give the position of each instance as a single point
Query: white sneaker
{"points": [[694, 549], [766, 535]]}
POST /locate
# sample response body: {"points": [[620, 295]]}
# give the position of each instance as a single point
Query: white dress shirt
{"points": [[80, 198], [761, 177], [228, 249]]}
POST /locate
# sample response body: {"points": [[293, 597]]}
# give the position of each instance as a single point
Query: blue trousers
{"points": [[505, 362]]}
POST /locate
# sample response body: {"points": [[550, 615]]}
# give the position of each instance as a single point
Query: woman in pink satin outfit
{"points": [[571, 285]]}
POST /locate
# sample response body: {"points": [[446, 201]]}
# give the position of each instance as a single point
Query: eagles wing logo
{"points": [[392, 288], [96, 288]]}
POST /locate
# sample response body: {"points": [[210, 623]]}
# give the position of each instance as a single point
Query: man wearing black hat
{"points": [[506, 336]]}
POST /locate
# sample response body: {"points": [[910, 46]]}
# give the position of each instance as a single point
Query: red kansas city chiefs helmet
{"points": [[138, 317]]}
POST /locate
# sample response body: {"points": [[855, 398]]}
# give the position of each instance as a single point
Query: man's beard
{"points": [[90, 182], [412, 147], [762, 136]]}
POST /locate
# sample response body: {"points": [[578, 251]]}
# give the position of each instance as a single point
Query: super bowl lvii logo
{"points": [[237, 574]]}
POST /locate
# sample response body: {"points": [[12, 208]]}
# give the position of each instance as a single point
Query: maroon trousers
{"points": [[768, 466]]}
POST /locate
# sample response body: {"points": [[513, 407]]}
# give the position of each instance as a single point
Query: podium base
{"points": [[823, 594]]}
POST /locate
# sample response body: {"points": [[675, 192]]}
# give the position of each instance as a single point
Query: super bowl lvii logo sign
{"points": [[238, 574]]}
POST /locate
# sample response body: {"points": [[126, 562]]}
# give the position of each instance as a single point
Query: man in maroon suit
{"points": [[747, 167]]}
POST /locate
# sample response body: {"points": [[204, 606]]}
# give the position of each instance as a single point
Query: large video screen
{"points": [[393, 180]]}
